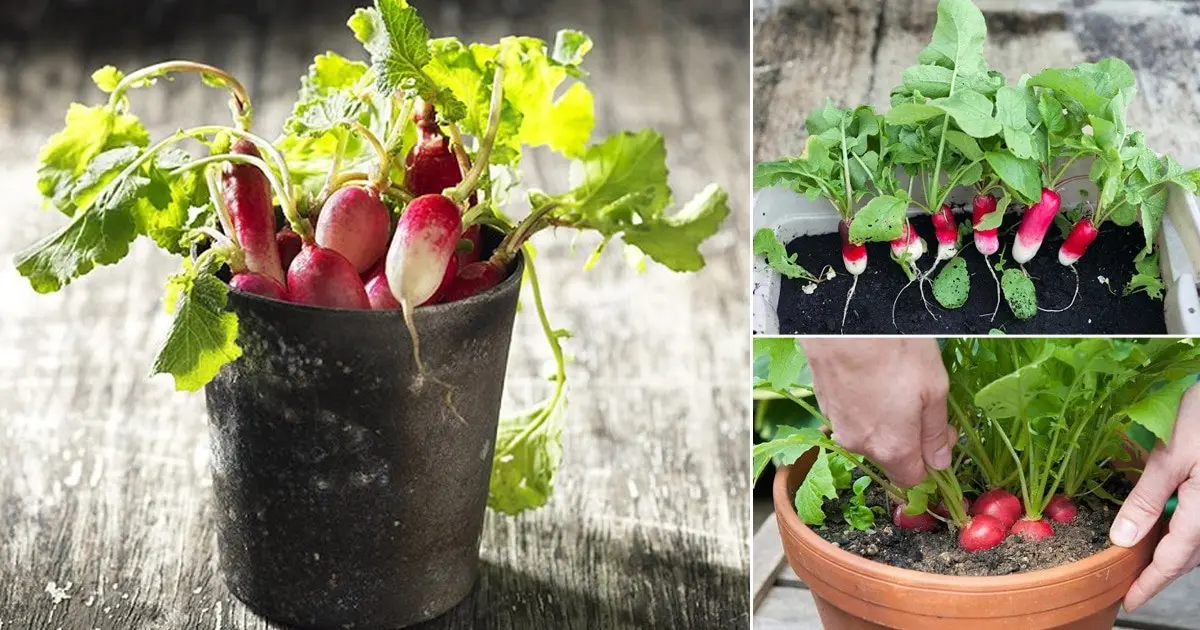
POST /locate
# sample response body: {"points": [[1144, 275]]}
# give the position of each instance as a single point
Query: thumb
{"points": [[1146, 502]]}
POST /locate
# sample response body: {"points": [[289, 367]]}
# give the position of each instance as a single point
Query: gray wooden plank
{"points": [[787, 608], [105, 499], [769, 560]]}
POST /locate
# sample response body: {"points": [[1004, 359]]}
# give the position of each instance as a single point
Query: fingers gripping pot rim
{"points": [[347, 493]]}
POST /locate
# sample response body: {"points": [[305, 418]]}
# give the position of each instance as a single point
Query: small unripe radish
{"points": [[908, 243], [258, 284], [923, 522], [425, 240], [986, 241], [1034, 223], [982, 533], [474, 279], [1077, 242], [379, 294], [1061, 509], [289, 244], [356, 224], [1000, 504], [946, 229], [322, 277], [854, 257], [1032, 530], [247, 194]]}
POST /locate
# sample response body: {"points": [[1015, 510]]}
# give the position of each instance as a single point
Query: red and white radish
{"points": [[1077, 242], [909, 244], [1032, 530], [982, 533], [448, 277], [986, 241], [1061, 509], [923, 522], [322, 277], [247, 195], [355, 223], [946, 230], [1034, 223], [854, 257], [1000, 504], [426, 238], [379, 294], [258, 284]]}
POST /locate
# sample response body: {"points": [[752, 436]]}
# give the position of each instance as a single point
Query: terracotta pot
{"points": [[854, 593]]}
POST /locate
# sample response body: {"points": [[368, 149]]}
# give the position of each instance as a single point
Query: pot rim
{"points": [[514, 276], [790, 522]]}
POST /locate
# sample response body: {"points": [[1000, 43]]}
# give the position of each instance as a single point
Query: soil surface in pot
{"points": [[1099, 309], [938, 552]]}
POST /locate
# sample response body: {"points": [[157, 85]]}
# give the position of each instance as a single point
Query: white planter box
{"points": [[791, 215]]}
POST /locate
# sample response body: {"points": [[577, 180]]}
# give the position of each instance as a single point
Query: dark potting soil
{"points": [[938, 552], [1099, 309]]}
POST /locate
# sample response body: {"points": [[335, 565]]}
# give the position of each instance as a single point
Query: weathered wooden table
{"points": [[105, 513]]}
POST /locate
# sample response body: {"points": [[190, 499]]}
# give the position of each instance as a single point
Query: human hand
{"points": [[1172, 467], [886, 399]]}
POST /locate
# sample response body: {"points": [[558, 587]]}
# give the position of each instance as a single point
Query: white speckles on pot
{"points": [[320, 484]]}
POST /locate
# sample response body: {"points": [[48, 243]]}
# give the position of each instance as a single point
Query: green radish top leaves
{"points": [[953, 285], [765, 244], [1019, 293], [353, 125]]}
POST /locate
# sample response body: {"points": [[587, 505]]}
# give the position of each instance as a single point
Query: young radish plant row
{"points": [[1042, 423], [953, 122], [376, 196]]}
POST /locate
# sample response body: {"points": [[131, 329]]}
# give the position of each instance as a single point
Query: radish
{"points": [[355, 223], [473, 279], [320, 276], [1077, 242], [946, 230], [447, 280], [908, 243], [982, 533], [1000, 504], [430, 166], [1061, 509], [923, 522], [1032, 530], [379, 294], [475, 254], [247, 194], [289, 244], [1034, 223], [941, 510], [986, 241], [258, 284], [854, 257]]}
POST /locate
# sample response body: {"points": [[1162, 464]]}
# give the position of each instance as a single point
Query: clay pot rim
{"points": [[791, 524]]}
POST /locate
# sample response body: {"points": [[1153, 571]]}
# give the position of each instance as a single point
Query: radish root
{"points": [[1073, 297], [422, 373], [991, 269], [846, 308]]}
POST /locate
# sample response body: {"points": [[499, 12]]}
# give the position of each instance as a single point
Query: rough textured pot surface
{"points": [[347, 493], [853, 593]]}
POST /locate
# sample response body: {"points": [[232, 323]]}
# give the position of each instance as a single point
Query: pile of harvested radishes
{"points": [[1041, 422], [954, 122], [391, 177]]}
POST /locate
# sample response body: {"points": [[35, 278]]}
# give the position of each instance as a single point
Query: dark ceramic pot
{"points": [[348, 495]]}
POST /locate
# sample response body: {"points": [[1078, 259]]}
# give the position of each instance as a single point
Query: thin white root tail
{"points": [[922, 278], [997, 279], [422, 373], [897, 301], [1074, 297], [846, 308]]}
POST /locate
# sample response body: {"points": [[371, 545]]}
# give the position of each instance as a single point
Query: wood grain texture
{"points": [[105, 514], [855, 51]]}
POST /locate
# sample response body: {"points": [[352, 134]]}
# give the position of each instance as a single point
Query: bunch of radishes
{"points": [[985, 522], [341, 263]]}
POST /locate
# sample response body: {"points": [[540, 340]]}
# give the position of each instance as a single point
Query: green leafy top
{"points": [[354, 124]]}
